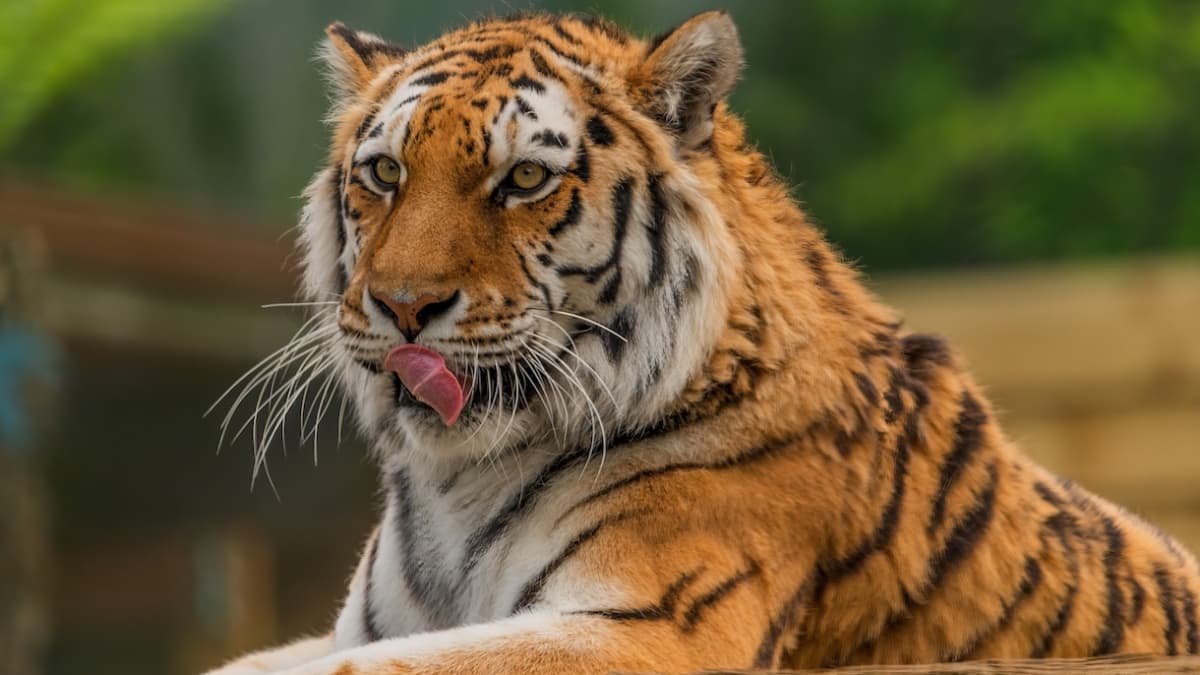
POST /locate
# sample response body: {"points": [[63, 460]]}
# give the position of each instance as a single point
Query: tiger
{"points": [[633, 412]]}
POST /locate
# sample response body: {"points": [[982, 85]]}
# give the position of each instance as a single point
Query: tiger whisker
{"points": [[317, 303], [265, 379], [587, 366], [584, 319], [604, 439], [278, 414], [557, 363], [306, 359], [298, 337]]}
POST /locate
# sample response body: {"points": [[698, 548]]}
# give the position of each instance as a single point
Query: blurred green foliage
{"points": [[923, 133], [49, 46]]}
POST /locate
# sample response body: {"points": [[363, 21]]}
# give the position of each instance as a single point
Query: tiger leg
{"points": [[279, 658], [538, 642]]}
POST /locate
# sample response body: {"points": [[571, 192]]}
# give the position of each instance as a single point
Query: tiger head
{"points": [[531, 201]]}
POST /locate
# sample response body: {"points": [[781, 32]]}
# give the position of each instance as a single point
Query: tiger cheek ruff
{"points": [[633, 413]]}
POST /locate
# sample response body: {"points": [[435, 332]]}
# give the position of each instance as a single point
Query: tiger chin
{"points": [[633, 413]]}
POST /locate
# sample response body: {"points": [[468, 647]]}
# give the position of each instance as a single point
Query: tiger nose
{"points": [[411, 317]]}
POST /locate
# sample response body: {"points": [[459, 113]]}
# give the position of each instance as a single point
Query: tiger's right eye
{"points": [[386, 171]]}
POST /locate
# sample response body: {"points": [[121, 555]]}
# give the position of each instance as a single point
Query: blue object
{"points": [[24, 356]]}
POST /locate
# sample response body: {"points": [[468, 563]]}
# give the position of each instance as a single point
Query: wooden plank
{"points": [[1066, 337], [212, 328], [1125, 663], [156, 245]]}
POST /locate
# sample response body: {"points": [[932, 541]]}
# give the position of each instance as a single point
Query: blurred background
{"points": [[1022, 176]]}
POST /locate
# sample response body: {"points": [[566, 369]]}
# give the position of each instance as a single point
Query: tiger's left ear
{"points": [[355, 57], [687, 72]]}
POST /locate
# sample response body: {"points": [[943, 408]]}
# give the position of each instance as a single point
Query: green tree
{"points": [[49, 46]]}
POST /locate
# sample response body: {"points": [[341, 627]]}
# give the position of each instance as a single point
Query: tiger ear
{"points": [[355, 57], [688, 71]]}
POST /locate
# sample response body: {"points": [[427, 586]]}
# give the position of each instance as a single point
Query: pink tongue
{"points": [[423, 372]]}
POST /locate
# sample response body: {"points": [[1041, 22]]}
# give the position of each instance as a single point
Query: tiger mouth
{"points": [[504, 389]]}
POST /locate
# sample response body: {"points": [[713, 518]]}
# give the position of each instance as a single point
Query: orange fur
{"points": [[857, 502]]}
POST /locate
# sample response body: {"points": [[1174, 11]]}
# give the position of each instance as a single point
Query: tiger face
{"points": [[526, 215]]}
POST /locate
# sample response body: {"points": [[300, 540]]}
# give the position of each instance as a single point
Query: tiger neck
{"points": [[798, 319]]}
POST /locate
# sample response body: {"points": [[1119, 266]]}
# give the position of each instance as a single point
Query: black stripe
{"points": [[1137, 595], [410, 99], [524, 107], [551, 139], [1189, 615], [369, 366], [525, 499], [543, 68], [764, 451], [430, 79], [656, 230], [968, 438], [354, 332], [692, 616], [531, 492], [867, 388], [598, 132], [526, 82], [602, 25], [349, 306], [958, 545], [435, 59], [966, 533], [1064, 526], [583, 164], [531, 591], [370, 628], [608, 294], [1166, 598], [1029, 583], [537, 283], [817, 261], [622, 198], [343, 279], [483, 56], [884, 531], [560, 53], [366, 50], [431, 592], [921, 349], [362, 126], [1112, 633], [782, 621], [663, 609], [1061, 618], [1048, 495], [894, 403], [623, 325], [571, 216], [562, 33]]}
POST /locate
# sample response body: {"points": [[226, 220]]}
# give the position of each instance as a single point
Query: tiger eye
{"points": [[386, 170], [528, 176]]}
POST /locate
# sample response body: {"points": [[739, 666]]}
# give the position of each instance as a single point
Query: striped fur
{"points": [[784, 476]]}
